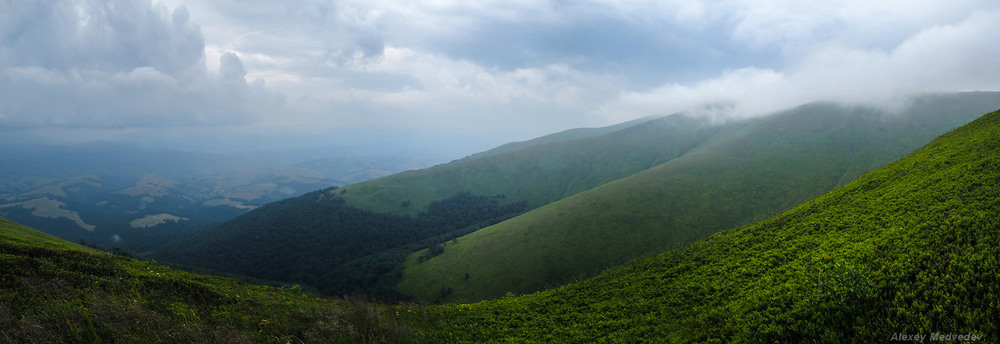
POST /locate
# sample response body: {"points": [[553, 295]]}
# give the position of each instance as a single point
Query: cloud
{"points": [[448, 94], [231, 68], [109, 36], [115, 64], [507, 70], [960, 56]]}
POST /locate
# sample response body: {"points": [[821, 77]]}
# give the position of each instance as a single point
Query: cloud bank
{"points": [[945, 58], [496, 71]]}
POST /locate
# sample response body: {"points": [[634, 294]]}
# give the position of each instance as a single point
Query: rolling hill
{"points": [[541, 172], [566, 135], [667, 182], [909, 249], [318, 240], [53, 291], [746, 171], [324, 240]]}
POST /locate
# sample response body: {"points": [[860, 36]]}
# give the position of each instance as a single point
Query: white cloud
{"points": [[100, 64], [955, 57]]}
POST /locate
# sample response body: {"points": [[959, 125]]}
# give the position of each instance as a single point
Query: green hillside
{"points": [[323, 241], [745, 172], [14, 234], [52, 291], [539, 173], [566, 135], [911, 248]]}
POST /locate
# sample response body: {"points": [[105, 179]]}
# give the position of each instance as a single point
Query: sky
{"points": [[459, 77]]}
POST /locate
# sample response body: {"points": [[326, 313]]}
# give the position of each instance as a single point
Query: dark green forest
{"points": [[318, 241]]}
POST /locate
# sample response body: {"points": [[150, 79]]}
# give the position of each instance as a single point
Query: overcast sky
{"points": [[467, 74]]}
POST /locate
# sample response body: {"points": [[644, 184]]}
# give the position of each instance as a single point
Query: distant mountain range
{"points": [[597, 198], [120, 195]]}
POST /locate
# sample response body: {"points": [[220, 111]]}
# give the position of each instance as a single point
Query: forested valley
{"points": [[320, 242]]}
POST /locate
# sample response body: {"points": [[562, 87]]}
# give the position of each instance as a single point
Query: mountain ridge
{"points": [[908, 248], [748, 172], [537, 174]]}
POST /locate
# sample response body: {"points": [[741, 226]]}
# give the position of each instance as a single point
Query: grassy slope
{"points": [[909, 248], [745, 173], [52, 291], [566, 135], [912, 247], [537, 174], [15, 234]]}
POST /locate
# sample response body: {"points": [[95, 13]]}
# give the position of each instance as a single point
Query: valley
{"points": [[115, 194]]}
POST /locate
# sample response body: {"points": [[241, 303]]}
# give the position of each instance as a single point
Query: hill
{"points": [[539, 173], [319, 241], [323, 240], [746, 171], [910, 248], [53, 291], [566, 135]]}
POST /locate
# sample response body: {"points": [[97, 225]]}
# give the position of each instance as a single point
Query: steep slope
{"points": [[52, 291], [911, 248], [537, 174], [748, 171]]}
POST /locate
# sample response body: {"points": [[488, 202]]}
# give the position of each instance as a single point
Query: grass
{"points": [[747, 172], [566, 135], [537, 174], [913, 247], [55, 291]]}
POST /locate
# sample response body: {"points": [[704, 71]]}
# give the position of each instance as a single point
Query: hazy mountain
{"points": [[120, 194], [539, 173], [910, 248], [566, 135], [746, 171], [681, 179], [354, 249]]}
